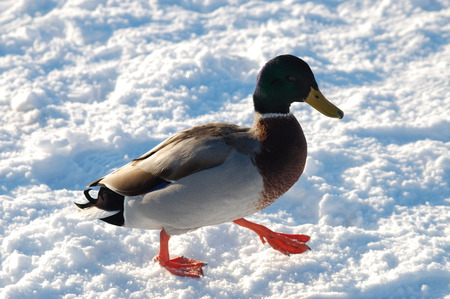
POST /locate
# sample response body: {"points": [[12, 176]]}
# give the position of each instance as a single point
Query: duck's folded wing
{"points": [[179, 156]]}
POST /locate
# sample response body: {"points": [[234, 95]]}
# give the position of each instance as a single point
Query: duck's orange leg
{"points": [[284, 243], [180, 266]]}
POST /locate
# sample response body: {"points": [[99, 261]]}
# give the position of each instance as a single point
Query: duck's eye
{"points": [[291, 78]]}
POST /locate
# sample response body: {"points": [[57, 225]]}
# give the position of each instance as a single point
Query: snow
{"points": [[85, 86]]}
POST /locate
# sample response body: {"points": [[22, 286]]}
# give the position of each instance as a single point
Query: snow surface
{"points": [[87, 85]]}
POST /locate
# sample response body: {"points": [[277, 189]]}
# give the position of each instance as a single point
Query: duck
{"points": [[218, 172]]}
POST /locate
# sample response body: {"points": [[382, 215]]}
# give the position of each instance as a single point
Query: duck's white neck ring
{"points": [[272, 115]]}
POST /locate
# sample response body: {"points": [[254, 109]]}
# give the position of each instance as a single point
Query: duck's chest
{"points": [[282, 157]]}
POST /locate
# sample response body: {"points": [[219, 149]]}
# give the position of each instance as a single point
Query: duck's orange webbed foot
{"points": [[285, 243], [180, 266]]}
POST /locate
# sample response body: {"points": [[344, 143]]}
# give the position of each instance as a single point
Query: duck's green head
{"points": [[286, 79]]}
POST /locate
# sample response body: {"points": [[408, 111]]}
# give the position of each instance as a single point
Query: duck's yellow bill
{"points": [[321, 104]]}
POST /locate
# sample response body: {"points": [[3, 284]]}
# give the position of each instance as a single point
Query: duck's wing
{"points": [[185, 153]]}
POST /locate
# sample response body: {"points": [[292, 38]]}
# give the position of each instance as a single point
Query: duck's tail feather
{"points": [[93, 212], [91, 203], [108, 206]]}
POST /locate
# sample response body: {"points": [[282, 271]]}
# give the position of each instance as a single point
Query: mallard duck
{"points": [[218, 172]]}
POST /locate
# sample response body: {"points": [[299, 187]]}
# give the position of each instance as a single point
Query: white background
{"points": [[87, 85]]}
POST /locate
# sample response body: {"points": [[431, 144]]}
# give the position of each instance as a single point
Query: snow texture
{"points": [[87, 85]]}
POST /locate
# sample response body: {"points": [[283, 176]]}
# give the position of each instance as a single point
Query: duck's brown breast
{"points": [[282, 157]]}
